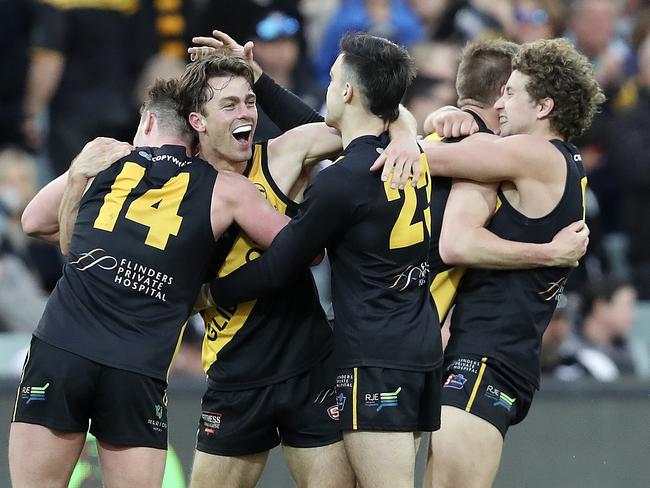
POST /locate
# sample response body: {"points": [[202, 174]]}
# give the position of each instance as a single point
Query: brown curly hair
{"points": [[557, 70]]}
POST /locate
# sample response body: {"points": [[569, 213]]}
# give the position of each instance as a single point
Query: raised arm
{"points": [[325, 210], [465, 241], [285, 109]]}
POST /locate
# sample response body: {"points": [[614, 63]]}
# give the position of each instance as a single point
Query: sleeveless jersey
{"points": [[267, 340], [445, 279], [503, 314], [377, 240], [142, 245]]}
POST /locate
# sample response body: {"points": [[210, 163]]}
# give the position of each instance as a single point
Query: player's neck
{"points": [[167, 140], [222, 164], [360, 124]]}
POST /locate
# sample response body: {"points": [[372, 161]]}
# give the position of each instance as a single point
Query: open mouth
{"points": [[243, 133]]}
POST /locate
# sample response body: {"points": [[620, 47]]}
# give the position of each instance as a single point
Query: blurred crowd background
{"points": [[72, 70]]}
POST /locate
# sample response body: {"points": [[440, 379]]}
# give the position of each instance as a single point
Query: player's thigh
{"points": [[42, 457], [466, 451], [214, 471], [127, 466], [50, 416], [309, 428], [382, 459], [320, 467]]}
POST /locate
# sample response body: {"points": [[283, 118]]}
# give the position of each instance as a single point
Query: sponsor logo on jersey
{"points": [[554, 290], [455, 381], [344, 380], [500, 398], [333, 412], [134, 276], [324, 394], [96, 257], [382, 400], [340, 401], [465, 364], [412, 275], [34, 393], [211, 422]]}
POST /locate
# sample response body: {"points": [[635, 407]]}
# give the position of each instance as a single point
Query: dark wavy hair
{"points": [[557, 70], [382, 69]]}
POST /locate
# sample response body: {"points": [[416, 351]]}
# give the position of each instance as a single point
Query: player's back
{"points": [[142, 246], [379, 264], [445, 279]]}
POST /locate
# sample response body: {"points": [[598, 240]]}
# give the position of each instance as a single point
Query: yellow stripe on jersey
{"points": [[221, 325], [178, 346], [444, 289], [354, 398], [125, 6], [583, 184], [20, 383], [468, 407]]}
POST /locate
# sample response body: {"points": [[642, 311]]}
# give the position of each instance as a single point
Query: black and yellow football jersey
{"points": [[377, 239], [502, 314], [445, 279], [141, 248], [264, 341]]}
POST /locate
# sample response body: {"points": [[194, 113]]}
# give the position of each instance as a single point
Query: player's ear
{"points": [[544, 107], [197, 121], [149, 120], [347, 93]]}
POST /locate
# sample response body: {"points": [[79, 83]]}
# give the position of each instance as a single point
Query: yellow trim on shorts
{"points": [[354, 398], [468, 407], [20, 383]]}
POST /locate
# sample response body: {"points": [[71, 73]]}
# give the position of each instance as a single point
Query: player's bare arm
{"points": [[450, 121], [41, 216], [235, 199], [299, 147], [96, 156], [465, 241]]}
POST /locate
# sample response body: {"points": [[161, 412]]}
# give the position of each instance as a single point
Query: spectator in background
{"points": [[632, 159], [602, 345], [82, 72], [392, 19], [464, 21], [15, 20], [426, 95], [593, 30], [22, 298], [557, 359], [278, 52], [537, 19]]}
